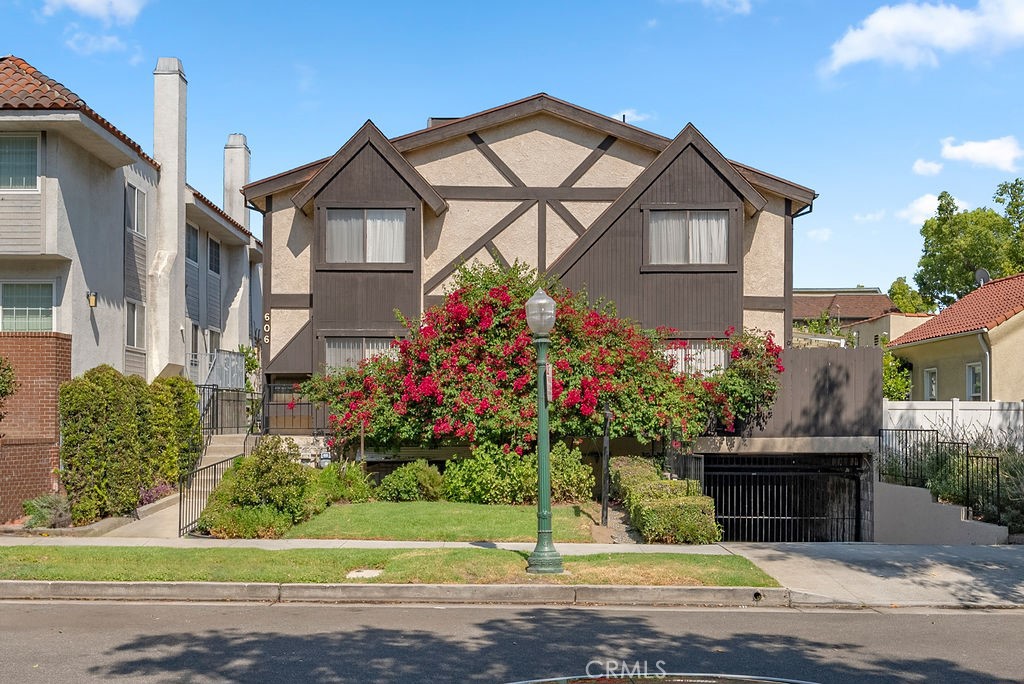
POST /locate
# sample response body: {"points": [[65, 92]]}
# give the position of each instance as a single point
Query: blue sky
{"points": [[876, 107]]}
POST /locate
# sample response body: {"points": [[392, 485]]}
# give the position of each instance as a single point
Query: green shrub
{"points": [[663, 511], [346, 482], [491, 476], [8, 384], [272, 476], [236, 522], [48, 510], [678, 520], [571, 479], [174, 428], [416, 481]]}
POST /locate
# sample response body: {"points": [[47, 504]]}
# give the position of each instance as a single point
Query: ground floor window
{"points": [[347, 352], [135, 328], [974, 382], [26, 307], [931, 384]]}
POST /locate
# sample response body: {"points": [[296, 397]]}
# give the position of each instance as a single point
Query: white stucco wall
{"points": [[618, 167], [455, 162], [908, 515], [290, 258], [285, 323], [765, 321], [586, 212], [764, 250], [541, 150], [447, 235]]}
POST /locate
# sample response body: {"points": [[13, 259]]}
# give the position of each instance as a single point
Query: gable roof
{"points": [[24, 87], [369, 134], [688, 137], [983, 309], [539, 103], [843, 306]]}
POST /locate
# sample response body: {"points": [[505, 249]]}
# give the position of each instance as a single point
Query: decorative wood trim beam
{"points": [[788, 286], [506, 194], [567, 216], [291, 301], [496, 161], [765, 303], [477, 245], [589, 162], [497, 255], [542, 236]]}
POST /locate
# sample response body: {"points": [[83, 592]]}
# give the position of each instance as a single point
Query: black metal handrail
{"points": [[285, 411], [194, 490]]}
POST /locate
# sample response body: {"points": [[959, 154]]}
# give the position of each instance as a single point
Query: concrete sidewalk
{"points": [[811, 575]]}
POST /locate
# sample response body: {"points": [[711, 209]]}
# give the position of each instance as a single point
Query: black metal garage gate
{"points": [[786, 498]]}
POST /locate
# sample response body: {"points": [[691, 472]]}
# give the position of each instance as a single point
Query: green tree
{"points": [[956, 244], [896, 377], [1011, 196], [906, 298]]}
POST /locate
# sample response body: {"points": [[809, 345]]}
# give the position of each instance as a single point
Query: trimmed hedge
{"points": [[663, 511], [120, 439], [495, 476], [415, 481]]}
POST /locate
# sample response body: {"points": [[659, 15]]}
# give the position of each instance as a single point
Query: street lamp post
{"points": [[540, 316]]}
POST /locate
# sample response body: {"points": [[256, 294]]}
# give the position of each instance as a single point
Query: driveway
{"points": [[894, 575]]}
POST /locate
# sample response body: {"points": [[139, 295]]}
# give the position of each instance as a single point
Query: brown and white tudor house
{"points": [[672, 231]]}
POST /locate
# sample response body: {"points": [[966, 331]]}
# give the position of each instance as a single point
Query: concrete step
{"points": [[227, 440]]}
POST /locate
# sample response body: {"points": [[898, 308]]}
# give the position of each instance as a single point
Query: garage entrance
{"points": [[807, 498]]}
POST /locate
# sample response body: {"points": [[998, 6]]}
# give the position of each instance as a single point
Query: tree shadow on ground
{"points": [[971, 574], [517, 644]]}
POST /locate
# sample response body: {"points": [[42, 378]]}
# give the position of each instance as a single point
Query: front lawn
{"points": [[399, 566], [443, 521]]}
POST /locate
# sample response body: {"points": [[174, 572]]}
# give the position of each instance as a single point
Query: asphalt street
{"points": [[138, 642]]}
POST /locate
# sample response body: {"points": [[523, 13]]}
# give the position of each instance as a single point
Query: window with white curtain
{"points": [[370, 236], [688, 236], [347, 352], [19, 162], [26, 307]]}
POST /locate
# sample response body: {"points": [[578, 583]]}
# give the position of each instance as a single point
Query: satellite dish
{"points": [[981, 276]]}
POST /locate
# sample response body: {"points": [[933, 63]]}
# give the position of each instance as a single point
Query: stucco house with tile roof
{"points": [[109, 244], [846, 305], [972, 349]]}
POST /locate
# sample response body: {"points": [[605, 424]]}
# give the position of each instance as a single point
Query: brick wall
{"points": [[29, 448]]}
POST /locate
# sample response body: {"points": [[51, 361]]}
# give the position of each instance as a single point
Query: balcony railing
{"points": [[225, 369]]}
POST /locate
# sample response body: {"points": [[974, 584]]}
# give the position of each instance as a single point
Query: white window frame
{"points": [[210, 346], [134, 327], [981, 382], [934, 373], [363, 263], [140, 208], [362, 340], [39, 164], [33, 281], [210, 242], [188, 227]]}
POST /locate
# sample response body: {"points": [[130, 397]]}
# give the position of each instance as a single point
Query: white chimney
{"points": [[165, 354], [236, 174]]}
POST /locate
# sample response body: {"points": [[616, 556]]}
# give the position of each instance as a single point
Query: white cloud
{"points": [[927, 168], [999, 153], [923, 208], [89, 44], [870, 217], [631, 116], [652, 23], [913, 35], [728, 6], [819, 234], [121, 11], [306, 77]]}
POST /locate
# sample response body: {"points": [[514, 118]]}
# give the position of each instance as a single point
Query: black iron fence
{"points": [[194, 490], [285, 411], [917, 458]]}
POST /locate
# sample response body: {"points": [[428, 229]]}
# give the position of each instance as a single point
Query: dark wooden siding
{"points": [[361, 299], [697, 303], [828, 393], [134, 266]]}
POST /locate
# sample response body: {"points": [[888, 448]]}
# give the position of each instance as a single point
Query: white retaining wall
{"points": [[908, 515], [1004, 419]]}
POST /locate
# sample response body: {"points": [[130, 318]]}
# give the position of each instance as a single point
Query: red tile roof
{"points": [[22, 86], [203, 199], [986, 307], [846, 307]]}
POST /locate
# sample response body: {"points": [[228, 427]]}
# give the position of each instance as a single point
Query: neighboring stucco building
{"points": [[972, 349], [104, 242], [669, 229], [873, 332]]}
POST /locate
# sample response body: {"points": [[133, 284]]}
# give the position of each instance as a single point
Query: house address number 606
{"points": [[266, 328]]}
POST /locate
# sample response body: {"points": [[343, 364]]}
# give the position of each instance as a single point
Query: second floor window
{"points": [[19, 162], [192, 244], [135, 209], [135, 329], [214, 263], [365, 236], [686, 236]]}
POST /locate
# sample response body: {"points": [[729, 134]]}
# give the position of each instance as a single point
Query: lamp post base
{"points": [[544, 562]]}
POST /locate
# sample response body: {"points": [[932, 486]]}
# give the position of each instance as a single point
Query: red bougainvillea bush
{"points": [[466, 373]]}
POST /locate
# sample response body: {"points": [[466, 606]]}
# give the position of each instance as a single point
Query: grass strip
{"points": [[443, 521], [399, 566]]}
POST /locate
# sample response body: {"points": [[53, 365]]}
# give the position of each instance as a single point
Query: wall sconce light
{"points": [[92, 297]]}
